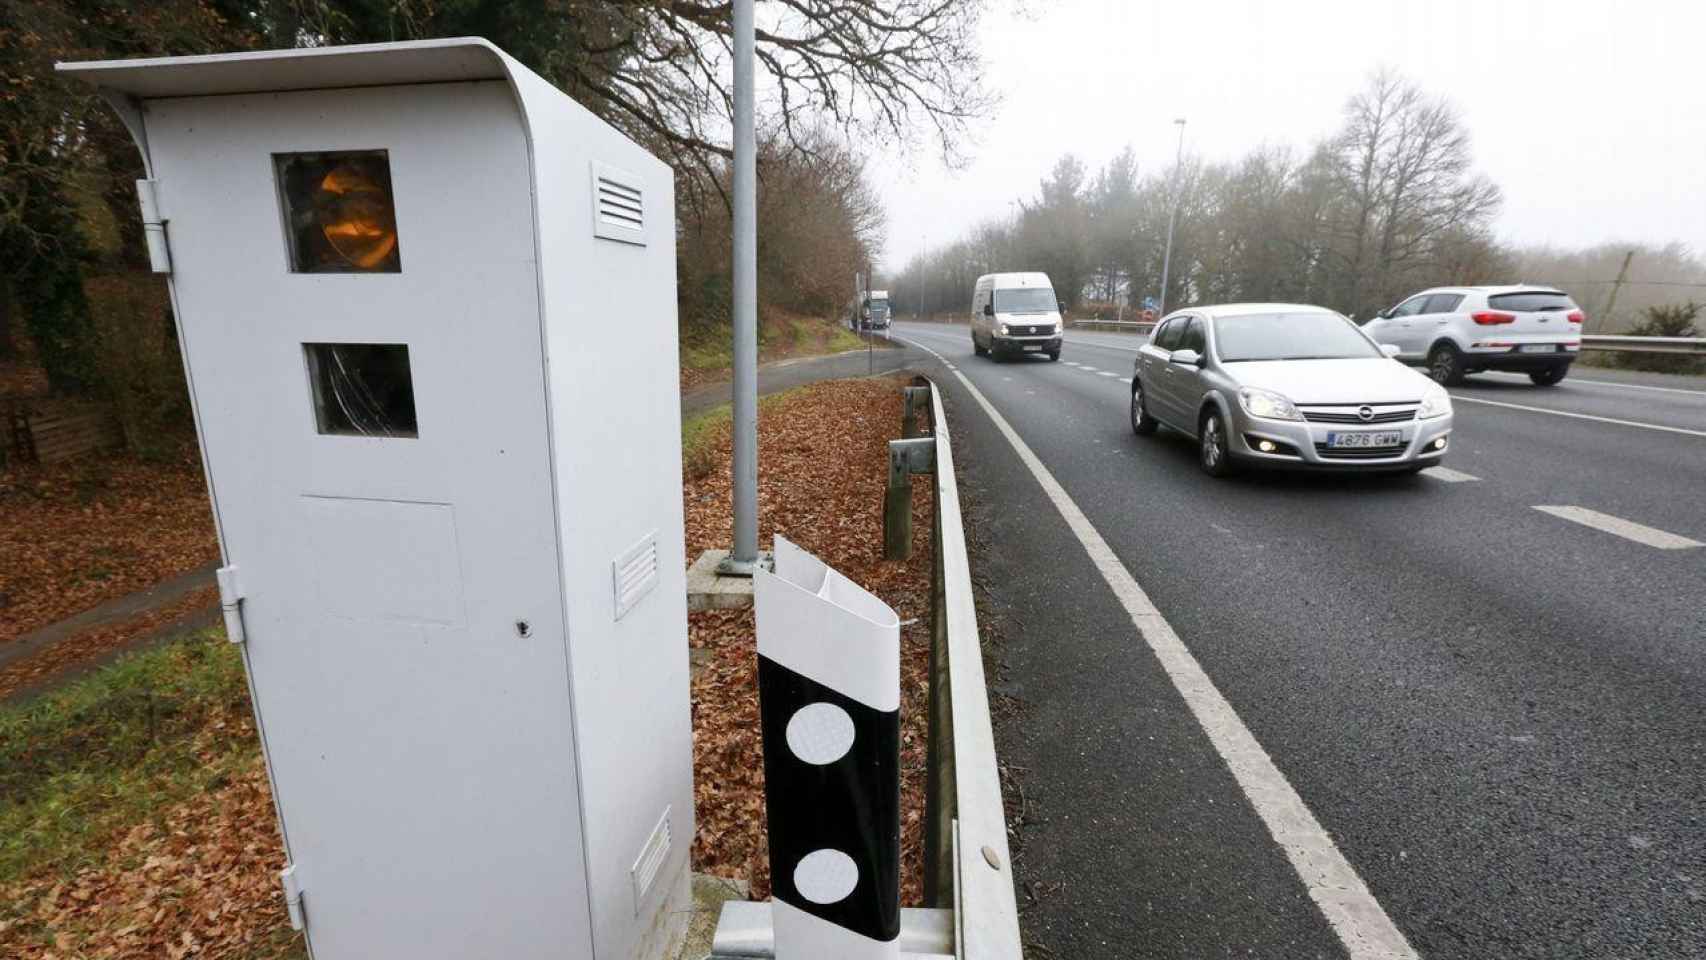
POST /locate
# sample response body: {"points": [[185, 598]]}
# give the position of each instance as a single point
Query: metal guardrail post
{"points": [[906, 457]]}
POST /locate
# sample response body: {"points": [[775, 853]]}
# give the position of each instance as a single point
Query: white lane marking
{"points": [[1088, 369], [1627, 529], [1107, 373], [1581, 416], [1597, 383], [1351, 910], [1448, 475], [1125, 379]]}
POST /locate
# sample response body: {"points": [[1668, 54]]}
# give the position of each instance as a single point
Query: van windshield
{"points": [[879, 308], [1025, 300], [1289, 336]]}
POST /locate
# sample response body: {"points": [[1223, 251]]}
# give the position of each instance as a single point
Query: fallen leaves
{"points": [[822, 467], [198, 881], [91, 645], [77, 533]]}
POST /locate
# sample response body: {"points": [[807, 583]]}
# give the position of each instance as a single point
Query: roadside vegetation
{"points": [[1387, 205], [135, 817]]}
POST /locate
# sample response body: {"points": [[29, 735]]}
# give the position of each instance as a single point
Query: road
{"points": [[1496, 714]]}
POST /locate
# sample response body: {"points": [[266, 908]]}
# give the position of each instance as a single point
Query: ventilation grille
{"points": [[635, 573], [618, 205], [650, 861]]}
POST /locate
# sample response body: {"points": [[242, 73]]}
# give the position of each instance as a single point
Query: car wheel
{"points": [[1054, 355], [1142, 423], [977, 347], [1548, 376], [1213, 454], [1445, 365]]}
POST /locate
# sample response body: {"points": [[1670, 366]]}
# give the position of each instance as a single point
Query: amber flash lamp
{"points": [[339, 216]]}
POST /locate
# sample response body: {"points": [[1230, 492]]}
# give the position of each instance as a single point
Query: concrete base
{"points": [[668, 933], [744, 933], [708, 590], [709, 895]]}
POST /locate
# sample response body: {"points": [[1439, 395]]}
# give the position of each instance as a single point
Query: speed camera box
{"points": [[427, 307]]}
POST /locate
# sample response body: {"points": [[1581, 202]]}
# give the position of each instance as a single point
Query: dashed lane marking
{"points": [[1580, 416], [1627, 529], [1107, 373], [1449, 475], [1339, 893], [1600, 383]]}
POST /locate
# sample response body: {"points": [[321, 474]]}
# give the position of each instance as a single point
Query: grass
{"points": [[105, 752], [703, 433], [708, 348]]}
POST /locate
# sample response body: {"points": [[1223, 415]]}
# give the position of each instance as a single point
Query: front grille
{"points": [[1357, 453], [1032, 330], [1380, 416]]}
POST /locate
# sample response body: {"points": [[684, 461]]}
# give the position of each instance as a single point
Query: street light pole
{"points": [[1172, 217], [744, 400]]}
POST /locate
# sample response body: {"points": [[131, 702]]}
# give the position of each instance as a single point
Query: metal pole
{"points": [[1611, 298], [745, 399], [1172, 216]]}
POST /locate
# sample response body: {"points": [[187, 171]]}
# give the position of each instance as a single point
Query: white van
{"points": [[1013, 314]]}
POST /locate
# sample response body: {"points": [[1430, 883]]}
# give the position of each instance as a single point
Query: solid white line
{"points": [[1627, 529], [1448, 475], [1351, 910], [1581, 416], [1598, 383]]}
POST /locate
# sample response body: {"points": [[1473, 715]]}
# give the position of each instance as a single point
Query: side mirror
{"points": [[1390, 349], [1188, 358], [989, 309], [1060, 305]]}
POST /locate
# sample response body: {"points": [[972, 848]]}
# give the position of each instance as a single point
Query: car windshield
{"points": [[879, 308], [1290, 336], [1025, 300]]}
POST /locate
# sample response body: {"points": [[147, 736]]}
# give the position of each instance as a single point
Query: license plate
{"points": [[1537, 348], [1034, 347], [1389, 438]]}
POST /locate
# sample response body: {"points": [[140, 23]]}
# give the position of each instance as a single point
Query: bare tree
{"points": [[877, 70]]}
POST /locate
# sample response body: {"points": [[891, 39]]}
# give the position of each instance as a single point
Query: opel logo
{"points": [[1365, 413]]}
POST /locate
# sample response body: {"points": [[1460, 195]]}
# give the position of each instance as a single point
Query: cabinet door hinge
{"points": [[231, 603], [292, 895], [153, 228]]}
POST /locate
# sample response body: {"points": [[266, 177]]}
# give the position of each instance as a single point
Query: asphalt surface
{"points": [[1499, 715]]}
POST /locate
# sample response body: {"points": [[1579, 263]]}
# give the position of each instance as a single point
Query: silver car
{"points": [[1286, 385]]}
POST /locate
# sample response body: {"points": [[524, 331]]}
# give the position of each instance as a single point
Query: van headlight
{"points": [[1004, 329], [1267, 404], [1435, 403]]}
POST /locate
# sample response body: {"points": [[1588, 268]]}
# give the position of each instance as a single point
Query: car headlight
{"points": [[1267, 404], [1435, 403], [1004, 329]]}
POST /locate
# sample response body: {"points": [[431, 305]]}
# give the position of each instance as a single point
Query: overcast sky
{"points": [[1590, 116]]}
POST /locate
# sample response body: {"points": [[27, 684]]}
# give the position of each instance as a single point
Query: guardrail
{"points": [[1135, 326], [966, 860], [1619, 343]]}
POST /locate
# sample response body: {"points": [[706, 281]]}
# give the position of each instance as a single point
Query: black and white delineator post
{"points": [[829, 703]]}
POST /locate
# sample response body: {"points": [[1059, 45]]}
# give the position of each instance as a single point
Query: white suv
{"points": [[1462, 330]]}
